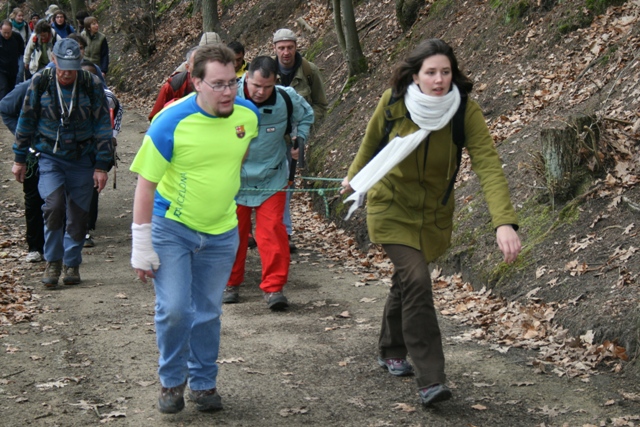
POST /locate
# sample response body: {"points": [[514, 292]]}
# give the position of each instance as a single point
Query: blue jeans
{"points": [[66, 187], [194, 270]]}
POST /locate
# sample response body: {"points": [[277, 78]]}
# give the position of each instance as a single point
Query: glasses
{"points": [[220, 87]]}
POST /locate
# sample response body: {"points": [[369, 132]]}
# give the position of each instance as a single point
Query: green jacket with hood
{"points": [[405, 206]]}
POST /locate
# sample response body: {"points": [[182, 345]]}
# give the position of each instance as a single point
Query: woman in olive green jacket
{"points": [[408, 210]]}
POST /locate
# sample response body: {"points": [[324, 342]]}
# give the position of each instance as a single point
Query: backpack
{"points": [[85, 82], [457, 131], [177, 80]]}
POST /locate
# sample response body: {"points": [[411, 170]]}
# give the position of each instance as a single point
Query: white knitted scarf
{"points": [[429, 113]]}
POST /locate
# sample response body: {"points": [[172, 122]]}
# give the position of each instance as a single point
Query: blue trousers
{"points": [[194, 270], [66, 187]]}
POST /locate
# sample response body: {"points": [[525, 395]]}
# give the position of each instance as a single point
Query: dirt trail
{"points": [[91, 356]]}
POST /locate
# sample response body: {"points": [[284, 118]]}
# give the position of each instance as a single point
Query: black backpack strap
{"points": [[287, 100], [388, 125], [457, 131]]}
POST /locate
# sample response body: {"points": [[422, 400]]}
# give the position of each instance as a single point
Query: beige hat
{"points": [[209, 38], [284, 34]]}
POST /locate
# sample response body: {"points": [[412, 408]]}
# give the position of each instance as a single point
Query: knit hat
{"points": [[52, 8], [209, 38], [67, 53], [284, 34]]}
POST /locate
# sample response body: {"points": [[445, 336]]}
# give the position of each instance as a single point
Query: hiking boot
{"points": [[276, 300], [171, 399], [88, 241], [33, 256], [396, 366], [71, 275], [52, 274], [231, 295], [206, 400], [435, 393], [292, 246]]}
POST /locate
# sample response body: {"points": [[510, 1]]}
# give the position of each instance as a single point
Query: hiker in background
{"points": [[21, 27], [97, 50], [48, 14], [60, 25], [11, 47], [82, 42], [10, 107], [176, 86], [33, 20], [181, 239], [411, 202], [206, 39], [72, 135], [264, 172], [239, 63], [305, 78], [116, 111], [80, 17], [38, 51]]}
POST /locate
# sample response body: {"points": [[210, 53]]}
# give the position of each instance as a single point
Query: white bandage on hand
{"points": [[142, 254]]}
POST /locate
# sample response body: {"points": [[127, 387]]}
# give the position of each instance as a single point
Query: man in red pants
{"points": [[264, 174]]}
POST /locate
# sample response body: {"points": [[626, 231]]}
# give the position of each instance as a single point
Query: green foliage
{"points": [[314, 50], [166, 5], [401, 46], [103, 7], [440, 8], [575, 21], [598, 7], [516, 11], [350, 82]]}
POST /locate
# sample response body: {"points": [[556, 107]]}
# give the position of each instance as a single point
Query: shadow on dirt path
{"points": [[91, 356]]}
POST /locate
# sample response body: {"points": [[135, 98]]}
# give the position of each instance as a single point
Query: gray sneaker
{"points": [[52, 274], [396, 366], [33, 256], [434, 394], [171, 399], [206, 400], [71, 275], [231, 295], [276, 300]]}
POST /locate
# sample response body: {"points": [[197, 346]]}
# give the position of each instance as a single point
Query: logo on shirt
{"points": [[240, 131]]}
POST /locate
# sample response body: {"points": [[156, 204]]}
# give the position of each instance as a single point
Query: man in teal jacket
{"points": [[264, 174]]}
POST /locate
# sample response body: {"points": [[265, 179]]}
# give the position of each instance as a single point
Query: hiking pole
{"points": [[292, 166]]}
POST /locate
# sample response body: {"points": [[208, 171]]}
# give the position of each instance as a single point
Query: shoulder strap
{"points": [[287, 100], [388, 125], [457, 132], [178, 80], [307, 71]]}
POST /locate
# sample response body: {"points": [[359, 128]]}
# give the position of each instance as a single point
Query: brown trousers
{"points": [[409, 322]]}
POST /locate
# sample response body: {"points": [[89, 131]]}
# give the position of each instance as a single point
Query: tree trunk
{"points": [[355, 58], [562, 151], [337, 20], [210, 22], [407, 12]]}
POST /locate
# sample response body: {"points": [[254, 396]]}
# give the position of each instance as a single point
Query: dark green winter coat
{"points": [[405, 206]]}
